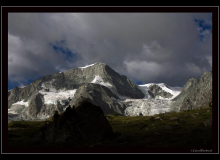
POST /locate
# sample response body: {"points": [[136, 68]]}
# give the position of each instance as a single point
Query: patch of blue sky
{"points": [[68, 53], [138, 82], [60, 46], [204, 27], [23, 83]]}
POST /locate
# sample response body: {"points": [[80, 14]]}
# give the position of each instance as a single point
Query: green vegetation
{"points": [[183, 129]]}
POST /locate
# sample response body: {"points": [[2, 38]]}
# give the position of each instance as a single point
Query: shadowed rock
{"points": [[158, 91], [100, 96], [83, 123]]}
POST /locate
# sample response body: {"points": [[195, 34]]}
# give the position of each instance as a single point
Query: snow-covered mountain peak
{"points": [[97, 63], [157, 90]]}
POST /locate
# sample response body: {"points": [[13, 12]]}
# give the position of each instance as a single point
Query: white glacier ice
{"points": [[175, 91], [99, 80], [149, 106], [146, 107], [52, 97], [21, 103]]}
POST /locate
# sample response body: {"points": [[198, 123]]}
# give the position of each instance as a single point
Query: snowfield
{"points": [[149, 106], [146, 107], [21, 103], [52, 97], [99, 80], [175, 91]]}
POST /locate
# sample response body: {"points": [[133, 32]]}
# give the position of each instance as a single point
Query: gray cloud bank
{"points": [[146, 47]]}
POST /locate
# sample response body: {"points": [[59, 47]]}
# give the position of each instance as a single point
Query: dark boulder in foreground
{"points": [[84, 123]]}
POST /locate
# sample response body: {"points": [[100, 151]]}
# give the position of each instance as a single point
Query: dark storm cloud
{"points": [[147, 47]]}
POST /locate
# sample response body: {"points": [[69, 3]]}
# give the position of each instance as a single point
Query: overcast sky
{"points": [[146, 47]]}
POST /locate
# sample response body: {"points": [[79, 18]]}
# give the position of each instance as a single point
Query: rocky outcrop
{"points": [[35, 105], [85, 122], [25, 93], [13, 96], [122, 84], [100, 96], [195, 94], [158, 91]]}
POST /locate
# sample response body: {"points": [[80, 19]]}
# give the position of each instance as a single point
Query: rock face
{"points": [[83, 123], [54, 92], [157, 91], [195, 94], [100, 96]]}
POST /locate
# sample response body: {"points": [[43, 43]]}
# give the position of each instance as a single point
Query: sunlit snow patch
{"points": [[87, 66], [18, 107], [91, 65], [175, 91], [21, 103], [12, 111], [99, 80], [53, 97]]}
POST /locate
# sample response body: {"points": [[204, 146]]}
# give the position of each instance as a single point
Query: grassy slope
{"points": [[144, 131]]}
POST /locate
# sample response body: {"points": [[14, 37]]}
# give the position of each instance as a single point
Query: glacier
{"points": [[149, 106]]}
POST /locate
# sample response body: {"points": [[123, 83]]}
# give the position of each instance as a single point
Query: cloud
{"points": [[146, 47]]}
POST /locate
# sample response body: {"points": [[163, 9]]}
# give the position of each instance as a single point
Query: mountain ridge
{"points": [[69, 80], [101, 85]]}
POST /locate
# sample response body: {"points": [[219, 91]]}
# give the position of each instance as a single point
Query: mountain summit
{"points": [[113, 93], [54, 92]]}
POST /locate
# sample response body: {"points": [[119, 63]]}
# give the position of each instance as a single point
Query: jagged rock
{"points": [[36, 103], [83, 123], [156, 91], [195, 93], [98, 95]]}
